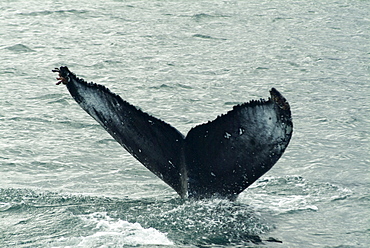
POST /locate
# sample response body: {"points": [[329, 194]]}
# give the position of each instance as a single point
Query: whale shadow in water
{"points": [[220, 158]]}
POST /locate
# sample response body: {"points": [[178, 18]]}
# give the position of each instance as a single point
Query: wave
{"points": [[203, 36], [77, 220], [115, 233], [204, 16], [291, 194], [51, 12], [20, 48]]}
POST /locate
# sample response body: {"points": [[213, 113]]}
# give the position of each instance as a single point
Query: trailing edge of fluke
{"points": [[220, 158]]}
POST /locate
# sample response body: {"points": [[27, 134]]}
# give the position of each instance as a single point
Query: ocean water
{"points": [[64, 182]]}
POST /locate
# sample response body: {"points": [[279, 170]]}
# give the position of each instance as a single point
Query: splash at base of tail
{"points": [[218, 159]]}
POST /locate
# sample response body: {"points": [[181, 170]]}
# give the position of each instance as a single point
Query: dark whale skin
{"points": [[220, 158]]}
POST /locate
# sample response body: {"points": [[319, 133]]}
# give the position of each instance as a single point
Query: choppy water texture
{"points": [[65, 183]]}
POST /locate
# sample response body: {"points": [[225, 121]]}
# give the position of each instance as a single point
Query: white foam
{"points": [[4, 206], [280, 204], [111, 232]]}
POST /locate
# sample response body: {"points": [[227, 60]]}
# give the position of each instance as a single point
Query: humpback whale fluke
{"points": [[220, 158]]}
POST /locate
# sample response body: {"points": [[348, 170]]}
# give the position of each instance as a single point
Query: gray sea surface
{"points": [[64, 182]]}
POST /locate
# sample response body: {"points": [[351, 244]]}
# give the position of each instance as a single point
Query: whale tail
{"points": [[220, 158]]}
